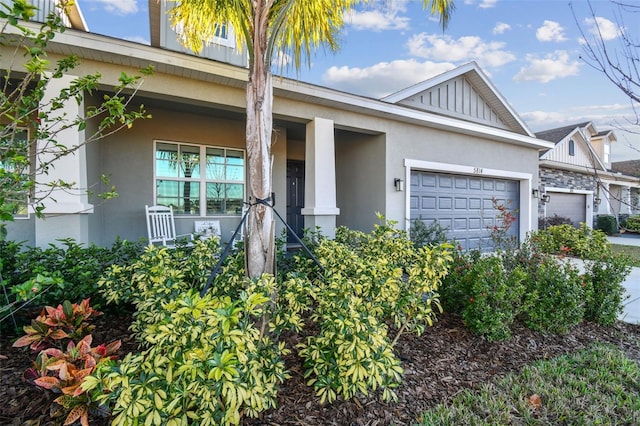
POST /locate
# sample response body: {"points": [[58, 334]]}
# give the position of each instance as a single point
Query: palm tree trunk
{"points": [[259, 244]]}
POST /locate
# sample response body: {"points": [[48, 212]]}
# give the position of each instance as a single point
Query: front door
{"points": [[295, 197]]}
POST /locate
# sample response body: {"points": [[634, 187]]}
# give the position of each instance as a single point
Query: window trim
{"points": [[202, 180], [572, 148]]}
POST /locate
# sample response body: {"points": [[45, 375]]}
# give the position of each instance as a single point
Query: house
{"points": [[441, 150], [576, 176], [629, 167]]}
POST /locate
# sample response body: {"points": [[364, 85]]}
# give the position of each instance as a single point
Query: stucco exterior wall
{"points": [[360, 179], [128, 157], [432, 145]]}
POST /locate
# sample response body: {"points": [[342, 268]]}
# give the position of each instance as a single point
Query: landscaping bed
{"points": [[438, 365]]}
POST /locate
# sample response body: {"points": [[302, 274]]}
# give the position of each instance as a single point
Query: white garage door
{"points": [[463, 205], [572, 206]]}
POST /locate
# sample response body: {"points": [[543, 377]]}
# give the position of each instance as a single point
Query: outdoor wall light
{"points": [[399, 184], [535, 193], [596, 201], [546, 198]]}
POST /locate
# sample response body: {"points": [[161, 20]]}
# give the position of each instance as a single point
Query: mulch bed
{"points": [[438, 365]]}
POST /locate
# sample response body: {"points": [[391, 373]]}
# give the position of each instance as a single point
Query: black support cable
{"points": [[225, 253]]}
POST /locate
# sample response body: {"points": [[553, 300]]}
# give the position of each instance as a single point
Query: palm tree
{"points": [[268, 27]]}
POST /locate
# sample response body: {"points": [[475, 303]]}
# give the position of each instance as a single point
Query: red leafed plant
{"points": [[63, 372], [61, 368], [67, 321]]}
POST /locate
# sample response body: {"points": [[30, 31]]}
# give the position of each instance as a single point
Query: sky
{"points": [[530, 49]]}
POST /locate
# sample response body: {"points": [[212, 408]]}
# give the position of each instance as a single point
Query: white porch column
{"points": [[625, 207], [320, 208], [605, 199], [65, 213]]}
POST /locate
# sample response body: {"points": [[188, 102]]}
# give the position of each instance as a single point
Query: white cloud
{"points": [[383, 78], [387, 17], [376, 20], [602, 27], [482, 4], [119, 7], [553, 65], [501, 27], [550, 31], [281, 60], [467, 48], [487, 4]]}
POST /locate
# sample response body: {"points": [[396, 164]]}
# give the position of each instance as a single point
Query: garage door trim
{"points": [[525, 180], [588, 195]]}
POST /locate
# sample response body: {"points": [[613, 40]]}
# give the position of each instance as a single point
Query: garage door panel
{"points": [[462, 204], [445, 181], [461, 183], [475, 223]]}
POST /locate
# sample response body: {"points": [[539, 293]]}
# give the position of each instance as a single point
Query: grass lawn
{"points": [[632, 251], [595, 386]]}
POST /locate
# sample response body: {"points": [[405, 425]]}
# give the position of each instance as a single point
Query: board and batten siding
{"points": [[458, 98], [560, 154]]}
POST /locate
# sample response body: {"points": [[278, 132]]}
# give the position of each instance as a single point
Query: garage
{"points": [[463, 205], [569, 205]]}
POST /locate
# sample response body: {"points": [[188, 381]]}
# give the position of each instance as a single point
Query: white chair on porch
{"points": [[161, 227]]}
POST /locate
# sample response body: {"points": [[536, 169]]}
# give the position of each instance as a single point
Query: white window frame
{"points": [[202, 180]]}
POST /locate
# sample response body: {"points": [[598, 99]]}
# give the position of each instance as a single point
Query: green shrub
{"points": [[495, 299], [485, 293], [369, 280], [607, 224], [554, 299], [366, 283], [453, 290], [633, 223], [32, 276], [545, 222], [582, 242], [207, 364], [423, 235], [606, 295]]}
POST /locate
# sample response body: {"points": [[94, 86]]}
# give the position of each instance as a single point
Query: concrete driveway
{"points": [[631, 312]]}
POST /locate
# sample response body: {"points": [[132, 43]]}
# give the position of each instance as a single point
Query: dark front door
{"points": [[295, 197]]}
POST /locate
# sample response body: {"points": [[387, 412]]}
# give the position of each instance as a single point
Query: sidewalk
{"points": [[631, 312]]}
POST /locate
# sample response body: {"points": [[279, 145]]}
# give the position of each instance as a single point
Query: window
{"points": [[199, 180], [606, 152], [223, 36], [14, 169], [572, 148]]}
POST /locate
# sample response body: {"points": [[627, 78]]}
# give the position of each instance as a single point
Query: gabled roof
{"points": [[559, 134], [480, 83], [610, 134], [586, 130]]}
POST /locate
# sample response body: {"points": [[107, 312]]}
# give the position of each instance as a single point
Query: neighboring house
{"points": [[629, 167], [576, 176], [440, 150], [71, 17]]}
